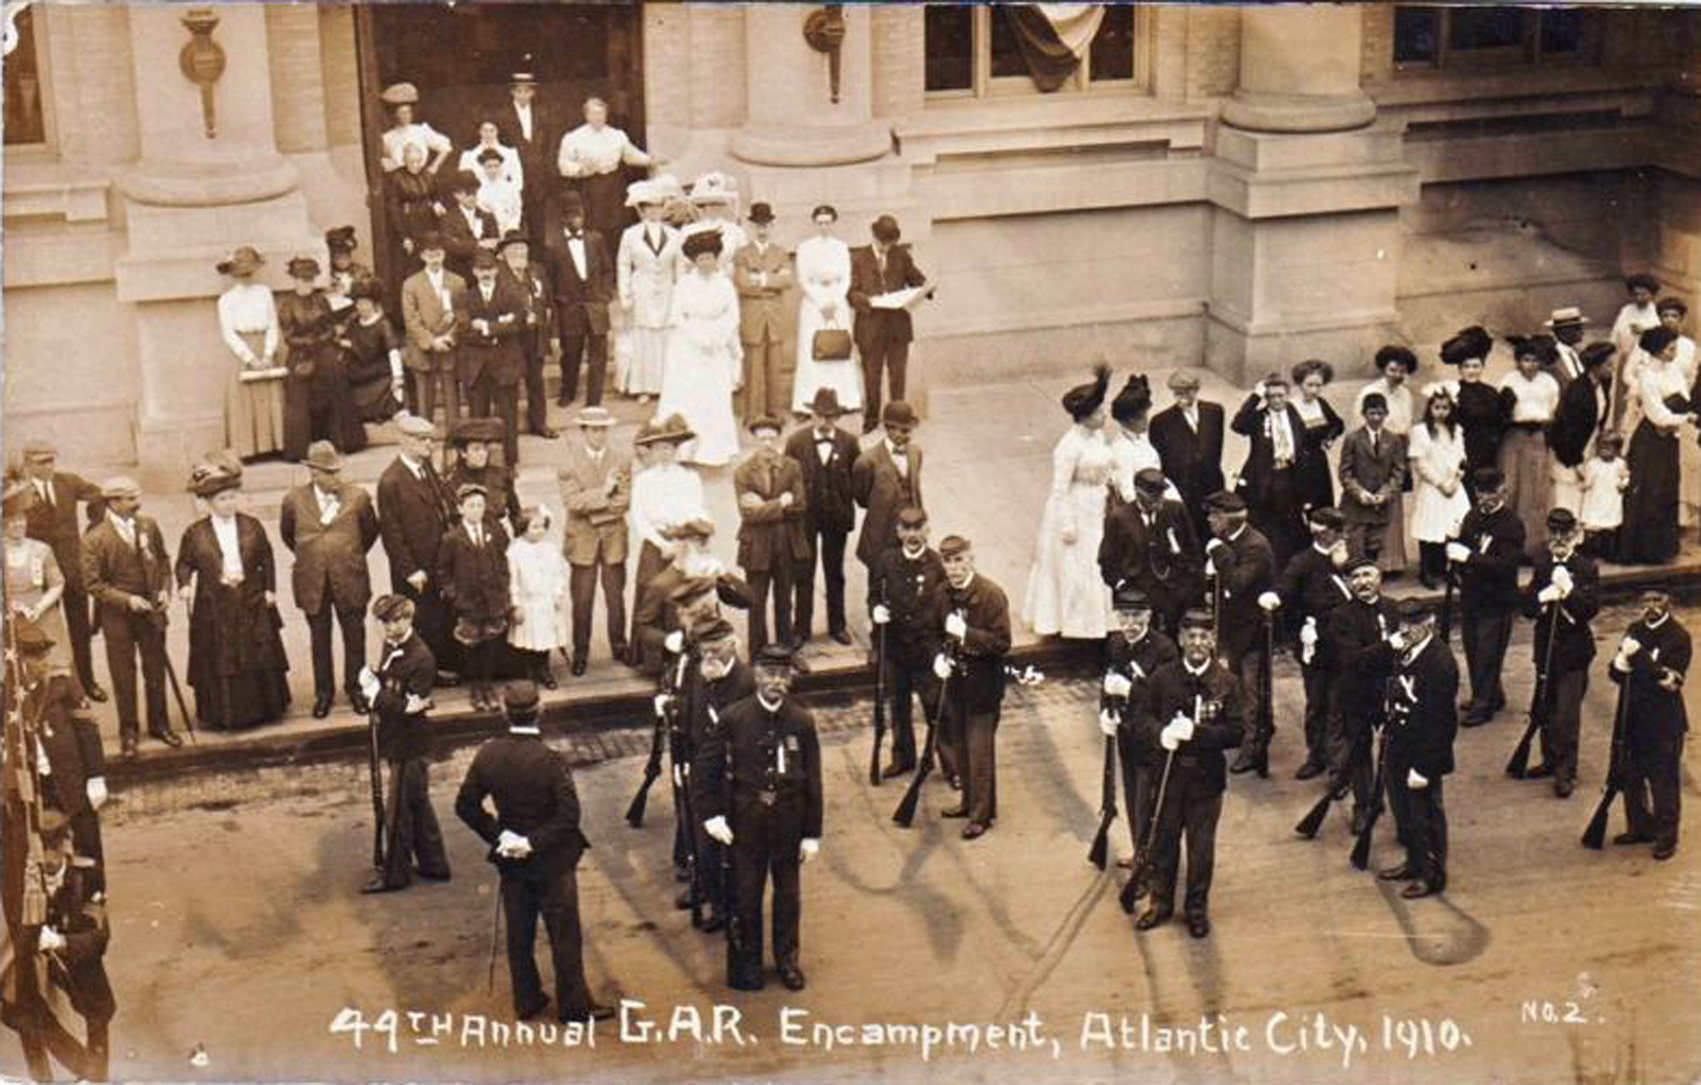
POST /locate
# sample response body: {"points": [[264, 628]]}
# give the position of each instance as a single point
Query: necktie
{"points": [[1375, 443], [46, 489]]}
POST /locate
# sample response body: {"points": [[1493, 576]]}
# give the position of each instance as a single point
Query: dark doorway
{"points": [[460, 58]]}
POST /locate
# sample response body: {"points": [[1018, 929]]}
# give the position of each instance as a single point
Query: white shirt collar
{"points": [[523, 729], [771, 706], [1189, 668]]}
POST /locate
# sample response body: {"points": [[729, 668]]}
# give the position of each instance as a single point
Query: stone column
{"points": [[190, 198], [793, 120], [1307, 191]]}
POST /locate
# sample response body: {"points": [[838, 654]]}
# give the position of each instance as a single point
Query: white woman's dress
{"points": [[1436, 516], [703, 362], [1066, 594], [647, 266], [823, 279]]}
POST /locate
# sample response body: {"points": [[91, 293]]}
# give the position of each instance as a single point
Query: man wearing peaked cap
{"points": [[1485, 558], [882, 335], [827, 455], [1241, 567], [52, 519], [1351, 660], [773, 538], [762, 272], [906, 591], [1149, 544], [1311, 585], [1421, 723], [1650, 666], [1563, 598], [716, 681], [1134, 651], [974, 634]]}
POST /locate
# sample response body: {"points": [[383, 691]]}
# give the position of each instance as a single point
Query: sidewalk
{"points": [[986, 473]]}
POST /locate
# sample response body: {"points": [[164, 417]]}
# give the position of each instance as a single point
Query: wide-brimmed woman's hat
{"points": [[244, 260], [669, 430]]}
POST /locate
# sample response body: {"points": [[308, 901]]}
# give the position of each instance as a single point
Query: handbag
{"points": [[831, 345]]}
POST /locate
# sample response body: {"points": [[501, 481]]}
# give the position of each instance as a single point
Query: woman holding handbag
{"points": [[825, 353]]}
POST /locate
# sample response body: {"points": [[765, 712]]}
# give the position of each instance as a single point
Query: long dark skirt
{"points": [[1649, 536], [237, 664]]}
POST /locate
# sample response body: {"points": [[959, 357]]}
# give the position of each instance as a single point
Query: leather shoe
{"points": [[95, 693], [358, 704], [1309, 770], [1395, 873], [1665, 850], [792, 976], [897, 768], [379, 885], [545, 432], [1153, 916], [954, 782], [1198, 924], [1562, 788], [1540, 772], [447, 680], [579, 664], [321, 706], [683, 900], [840, 635], [957, 811], [547, 679], [626, 654], [744, 983], [1633, 838], [1473, 718], [1419, 889], [531, 1012], [601, 1011], [1252, 759], [975, 829], [167, 736], [434, 875]]}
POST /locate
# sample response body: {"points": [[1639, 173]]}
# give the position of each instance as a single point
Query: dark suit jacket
{"points": [[914, 592], [330, 559], [1488, 580], [1362, 472], [1246, 568], [700, 695], [1654, 717], [57, 525], [113, 570], [71, 739], [459, 244], [403, 670], [535, 287], [497, 347], [829, 486], [979, 683], [537, 155], [883, 493], [1575, 422], [771, 534], [1421, 724], [474, 579], [581, 304], [1137, 663], [1352, 647], [876, 325], [1165, 562], [1214, 701], [532, 788], [1193, 461], [413, 513], [1250, 422], [1575, 647]]}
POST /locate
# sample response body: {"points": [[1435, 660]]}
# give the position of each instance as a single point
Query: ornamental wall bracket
{"points": [[824, 30], [202, 61]]}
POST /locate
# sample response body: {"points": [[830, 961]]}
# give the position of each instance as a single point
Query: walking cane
{"points": [[495, 927]]}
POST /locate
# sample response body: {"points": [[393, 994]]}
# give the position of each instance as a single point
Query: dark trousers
{"points": [[1318, 687], [429, 388], [1278, 516], [1139, 785], [87, 1061], [537, 405], [709, 870], [1352, 752], [650, 563], [1244, 662], [1432, 560], [1562, 720], [129, 634], [556, 902], [413, 833], [880, 354], [1486, 633], [582, 585], [75, 602], [433, 622], [588, 349], [764, 845], [776, 581], [905, 682], [1191, 807], [485, 396], [829, 548], [974, 746], [353, 623], [1420, 822], [1652, 770]]}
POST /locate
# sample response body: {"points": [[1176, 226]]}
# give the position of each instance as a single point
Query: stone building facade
{"points": [[1235, 187]]}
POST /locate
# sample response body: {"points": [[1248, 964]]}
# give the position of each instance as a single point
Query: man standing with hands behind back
{"points": [[882, 335]]}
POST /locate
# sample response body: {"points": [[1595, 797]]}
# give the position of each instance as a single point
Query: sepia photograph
{"points": [[915, 541]]}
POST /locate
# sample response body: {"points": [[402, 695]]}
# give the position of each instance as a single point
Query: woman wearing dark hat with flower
{"points": [[248, 323], [1131, 449], [316, 400], [1313, 484], [1066, 594], [345, 270], [1395, 364], [228, 579], [373, 359], [1531, 398], [1477, 406], [1650, 504], [704, 354]]}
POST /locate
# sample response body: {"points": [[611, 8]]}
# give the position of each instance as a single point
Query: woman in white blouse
{"points": [[1649, 536], [1531, 397], [248, 324], [1066, 593], [1635, 317], [403, 99], [704, 354], [1439, 503], [665, 493], [1396, 364], [490, 139], [592, 155], [823, 278]]}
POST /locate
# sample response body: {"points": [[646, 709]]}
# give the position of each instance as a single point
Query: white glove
{"points": [[50, 940], [662, 702], [1457, 551], [1562, 580], [97, 791], [1308, 632], [511, 845], [369, 685], [1550, 594], [1339, 553], [808, 849], [1210, 568], [941, 667], [881, 614], [1107, 722], [717, 828], [1170, 737], [1270, 600], [1183, 726], [675, 642], [1215, 545], [1629, 646], [1416, 780], [418, 578], [1115, 685], [955, 626]]}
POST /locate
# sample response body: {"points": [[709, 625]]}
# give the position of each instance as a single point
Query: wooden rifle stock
{"points": [[1595, 835], [1361, 846], [905, 813], [879, 694], [1099, 852], [1518, 765]]}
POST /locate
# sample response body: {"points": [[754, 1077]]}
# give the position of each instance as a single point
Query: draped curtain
{"points": [[1054, 38]]}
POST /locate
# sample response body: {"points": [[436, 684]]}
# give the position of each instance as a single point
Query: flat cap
{"points": [[952, 545], [413, 425], [774, 656], [470, 489], [39, 448], [1225, 501], [120, 486]]}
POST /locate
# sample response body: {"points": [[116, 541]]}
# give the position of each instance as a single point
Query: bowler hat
{"points": [[510, 239], [519, 698], [1561, 522], [399, 94], [885, 229], [826, 403], [761, 212], [243, 260], [898, 413], [323, 456]]}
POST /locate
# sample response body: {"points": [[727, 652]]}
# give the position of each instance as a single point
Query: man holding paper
{"points": [[885, 285]]}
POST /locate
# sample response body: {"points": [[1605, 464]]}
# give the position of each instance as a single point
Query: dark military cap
{"points": [[1224, 501], [774, 657], [388, 608], [1131, 598], [1196, 619]]}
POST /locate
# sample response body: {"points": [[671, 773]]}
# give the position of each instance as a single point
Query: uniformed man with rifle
{"points": [[1352, 650], [977, 627], [718, 681], [1243, 568], [1562, 597], [1134, 651], [906, 587], [1651, 664], [1312, 584]]}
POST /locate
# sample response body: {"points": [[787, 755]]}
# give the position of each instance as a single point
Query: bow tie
{"points": [[823, 440], [575, 235]]}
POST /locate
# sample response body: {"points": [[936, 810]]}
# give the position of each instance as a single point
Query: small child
{"points": [[1605, 477], [472, 576], [537, 579]]}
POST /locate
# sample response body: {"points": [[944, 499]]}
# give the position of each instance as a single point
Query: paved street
{"points": [[236, 927]]}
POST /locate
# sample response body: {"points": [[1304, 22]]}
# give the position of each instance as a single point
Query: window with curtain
{"points": [[1461, 37], [25, 121], [982, 50]]}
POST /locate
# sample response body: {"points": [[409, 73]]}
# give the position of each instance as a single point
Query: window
{"points": [[25, 121], [1430, 37], [973, 50]]}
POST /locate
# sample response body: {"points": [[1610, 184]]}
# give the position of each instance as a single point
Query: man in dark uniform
{"points": [[535, 843], [532, 279], [400, 692], [1133, 653], [1486, 558], [1193, 711], [760, 791], [885, 479], [1352, 652], [1241, 567], [74, 772], [413, 513], [1651, 664], [1422, 720], [128, 574], [490, 358], [828, 457], [717, 681], [1311, 585], [1150, 545], [52, 519], [976, 626], [906, 598], [1563, 598]]}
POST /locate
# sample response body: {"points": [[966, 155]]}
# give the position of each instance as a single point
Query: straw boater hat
{"points": [[1568, 315], [595, 417], [639, 193]]}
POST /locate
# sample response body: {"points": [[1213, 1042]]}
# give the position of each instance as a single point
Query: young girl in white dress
{"points": [[1437, 453], [823, 279], [537, 584], [1066, 593], [704, 354]]}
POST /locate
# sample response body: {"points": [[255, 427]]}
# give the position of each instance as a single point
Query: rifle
{"points": [[879, 695], [1097, 854], [682, 801], [376, 778], [1518, 766], [1143, 858], [1595, 835], [905, 813], [653, 767], [1361, 847], [1447, 604]]}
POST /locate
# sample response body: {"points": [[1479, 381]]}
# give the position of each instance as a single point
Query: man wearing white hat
{"points": [[596, 489], [1567, 324]]}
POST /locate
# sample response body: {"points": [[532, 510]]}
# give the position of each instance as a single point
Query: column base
{"points": [[801, 145], [1265, 112], [190, 184]]}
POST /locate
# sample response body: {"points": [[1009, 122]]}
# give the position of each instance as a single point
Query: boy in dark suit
{"points": [[1373, 468], [1486, 558], [52, 519], [882, 335], [1188, 436], [1421, 722], [584, 286], [827, 456], [772, 535], [472, 574]]}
